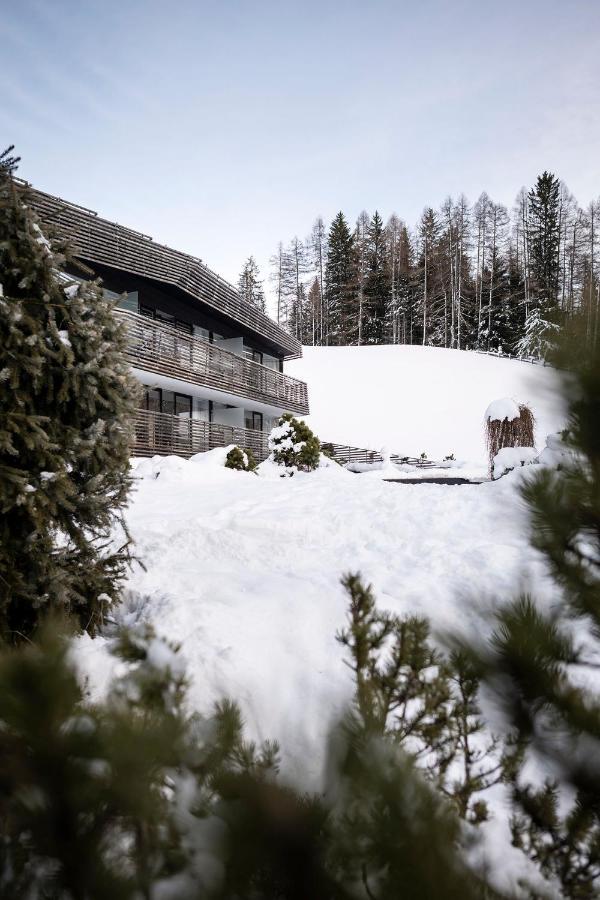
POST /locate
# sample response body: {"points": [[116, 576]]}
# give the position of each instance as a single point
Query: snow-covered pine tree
{"points": [[66, 403], [538, 335], [250, 285]]}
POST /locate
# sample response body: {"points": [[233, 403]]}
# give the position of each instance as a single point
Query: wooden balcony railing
{"points": [[166, 351], [162, 433]]}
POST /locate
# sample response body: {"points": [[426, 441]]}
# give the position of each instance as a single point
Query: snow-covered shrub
{"points": [[558, 452], [241, 460], [509, 458], [294, 446], [507, 424]]}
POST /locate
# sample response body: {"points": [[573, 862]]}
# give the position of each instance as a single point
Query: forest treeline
{"points": [[467, 276]]}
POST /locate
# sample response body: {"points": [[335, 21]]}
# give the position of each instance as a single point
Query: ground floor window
{"points": [[159, 400], [253, 420]]}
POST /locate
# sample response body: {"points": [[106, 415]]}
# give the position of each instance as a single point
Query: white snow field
{"points": [[415, 400], [244, 572]]}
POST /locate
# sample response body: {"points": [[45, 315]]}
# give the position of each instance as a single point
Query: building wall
{"points": [[170, 300]]}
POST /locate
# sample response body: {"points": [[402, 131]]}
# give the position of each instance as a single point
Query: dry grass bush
{"points": [[510, 433]]}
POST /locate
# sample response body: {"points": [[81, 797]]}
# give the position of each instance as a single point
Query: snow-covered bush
{"points": [[241, 460], [558, 452], [507, 424], [509, 458], [294, 446]]}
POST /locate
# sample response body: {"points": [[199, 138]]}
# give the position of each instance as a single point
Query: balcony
{"points": [[164, 350], [162, 433]]}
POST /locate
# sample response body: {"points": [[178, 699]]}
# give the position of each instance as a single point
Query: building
{"points": [[210, 364]]}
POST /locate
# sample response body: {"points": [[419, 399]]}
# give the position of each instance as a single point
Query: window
{"points": [[201, 409], [183, 406], [166, 318], [271, 362], [153, 399], [253, 420], [253, 355], [157, 400]]}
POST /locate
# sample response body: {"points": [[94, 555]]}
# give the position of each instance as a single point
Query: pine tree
{"points": [[132, 797], [339, 287], [377, 284], [314, 308], [250, 285], [66, 402], [428, 235], [538, 332], [408, 693], [538, 656], [544, 241]]}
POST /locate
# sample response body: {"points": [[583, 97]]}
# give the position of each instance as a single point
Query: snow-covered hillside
{"points": [[419, 399]]}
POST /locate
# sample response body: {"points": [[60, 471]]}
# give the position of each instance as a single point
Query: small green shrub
{"points": [[242, 460], [294, 446], [327, 450]]}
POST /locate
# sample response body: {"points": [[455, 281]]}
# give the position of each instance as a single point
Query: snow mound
{"points": [[499, 410], [509, 458], [419, 399]]}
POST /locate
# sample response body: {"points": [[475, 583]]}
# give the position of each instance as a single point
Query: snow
{"points": [[244, 572], [499, 410], [556, 452], [420, 399], [509, 458]]}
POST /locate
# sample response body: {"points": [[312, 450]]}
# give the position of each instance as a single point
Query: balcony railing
{"points": [[164, 350], [162, 433]]}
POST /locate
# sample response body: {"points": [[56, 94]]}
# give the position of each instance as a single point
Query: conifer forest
{"points": [[470, 276]]}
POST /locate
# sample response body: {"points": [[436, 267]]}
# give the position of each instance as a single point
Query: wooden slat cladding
{"points": [[167, 351], [97, 240], [165, 434]]}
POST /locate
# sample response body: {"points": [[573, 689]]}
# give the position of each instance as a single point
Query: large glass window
{"points": [[158, 400]]}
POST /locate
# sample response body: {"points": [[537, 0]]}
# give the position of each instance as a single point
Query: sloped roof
{"points": [[98, 240]]}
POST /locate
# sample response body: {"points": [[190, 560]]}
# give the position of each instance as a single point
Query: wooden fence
{"points": [[344, 455]]}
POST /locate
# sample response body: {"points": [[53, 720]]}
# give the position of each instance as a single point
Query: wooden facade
{"points": [[157, 348], [202, 353], [161, 433], [96, 240]]}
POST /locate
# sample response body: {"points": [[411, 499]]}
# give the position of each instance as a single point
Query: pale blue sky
{"points": [[221, 127]]}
